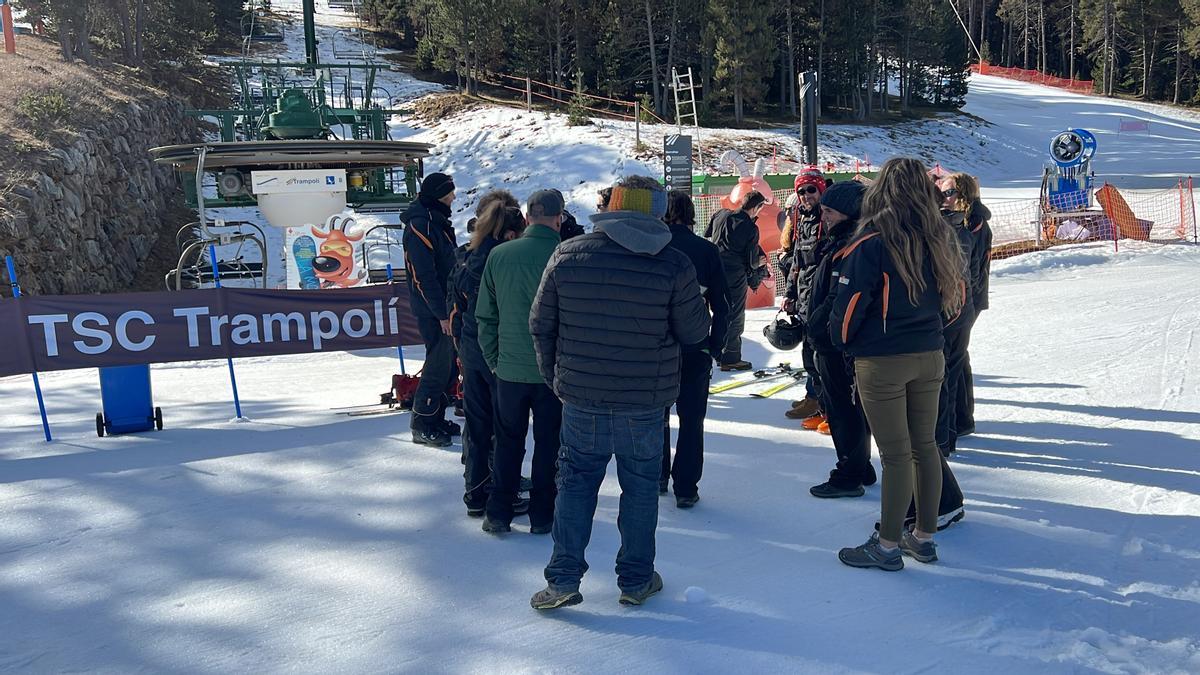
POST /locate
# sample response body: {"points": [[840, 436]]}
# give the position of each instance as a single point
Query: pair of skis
{"points": [[387, 404], [782, 376]]}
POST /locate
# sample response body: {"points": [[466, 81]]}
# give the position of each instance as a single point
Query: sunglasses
{"points": [[807, 190]]}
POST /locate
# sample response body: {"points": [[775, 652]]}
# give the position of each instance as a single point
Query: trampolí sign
{"points": [[41, 333]]}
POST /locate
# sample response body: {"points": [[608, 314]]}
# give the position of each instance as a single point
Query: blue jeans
{"points": [[589, 439]]}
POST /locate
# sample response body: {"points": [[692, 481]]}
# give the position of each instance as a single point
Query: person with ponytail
{"points": [[499, 220], [899, 281]]}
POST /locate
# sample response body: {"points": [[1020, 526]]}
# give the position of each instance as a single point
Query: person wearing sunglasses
{"points": [[803, 231]]}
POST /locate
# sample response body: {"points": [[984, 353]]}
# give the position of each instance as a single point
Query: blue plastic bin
{"points": [[128, 404]]}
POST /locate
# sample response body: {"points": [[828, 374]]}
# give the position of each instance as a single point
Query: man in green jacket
{"points": [[510, 282]]}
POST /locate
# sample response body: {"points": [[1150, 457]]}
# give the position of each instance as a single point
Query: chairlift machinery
{"points": [[302, 142]]}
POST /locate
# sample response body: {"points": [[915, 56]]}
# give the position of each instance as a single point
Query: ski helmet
{"points": [[784, 333]]}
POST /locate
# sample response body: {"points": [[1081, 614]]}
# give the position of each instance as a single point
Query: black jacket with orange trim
{"points": [[825, 286], [872, 314], [429, 256]]}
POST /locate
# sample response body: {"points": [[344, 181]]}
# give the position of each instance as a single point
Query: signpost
{"points": [[677, 163]]}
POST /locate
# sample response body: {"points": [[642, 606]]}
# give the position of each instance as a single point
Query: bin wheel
{"points": [[100, 425], [158, 418]]}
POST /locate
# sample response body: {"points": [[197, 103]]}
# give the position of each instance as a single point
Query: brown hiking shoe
{"points": [[804, 409]]}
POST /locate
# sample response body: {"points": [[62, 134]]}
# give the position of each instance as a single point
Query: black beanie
{"points": [[437, 185], [845, 197]]}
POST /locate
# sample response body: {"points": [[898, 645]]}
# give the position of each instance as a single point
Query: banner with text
{"points": [[86, 331]]}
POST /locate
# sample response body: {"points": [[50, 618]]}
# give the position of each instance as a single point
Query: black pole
{"points": [[310, 32], [808, 123]]}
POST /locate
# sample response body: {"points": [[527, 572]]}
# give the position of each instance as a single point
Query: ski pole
{"points": [[399, 348], [237, 402], [37, 385]]}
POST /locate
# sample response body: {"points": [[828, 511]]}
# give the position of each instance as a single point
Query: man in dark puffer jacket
{"points": [[612, 310]]}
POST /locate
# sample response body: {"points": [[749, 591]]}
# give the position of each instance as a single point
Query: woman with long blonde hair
{"points": [[898, 282]]}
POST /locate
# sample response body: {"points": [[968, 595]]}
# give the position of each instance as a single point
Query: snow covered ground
{"points": [[306, 541]]}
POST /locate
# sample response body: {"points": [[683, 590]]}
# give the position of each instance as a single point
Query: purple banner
{"points": [[62, 332]]}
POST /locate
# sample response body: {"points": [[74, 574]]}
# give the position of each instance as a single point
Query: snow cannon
{"points": [[1067, 180], [768, 218]]}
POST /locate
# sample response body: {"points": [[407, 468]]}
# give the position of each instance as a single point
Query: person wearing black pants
{"points": [[514, 402], [696, 360], [429, 252], [499, 220], [735, 234], [981, 266], [841, 204], [510, 281]]}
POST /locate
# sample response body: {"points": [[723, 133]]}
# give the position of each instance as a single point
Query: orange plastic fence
{"points": [[1024, 75]]}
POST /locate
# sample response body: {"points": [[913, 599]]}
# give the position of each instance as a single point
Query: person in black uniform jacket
{"points": [[429, 253], [695, 371], [736, 235], [981, 268], [841, 205]]}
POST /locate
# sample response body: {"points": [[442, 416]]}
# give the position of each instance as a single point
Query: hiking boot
{"points": [[475, 511], [551, 598], [686, 502], [944, 520], [434, 438], [947, 519], [520, 506], [495, 527], [803, 409], [736, 366], [823, 429], [871, 554], [541, 529], [641, 595], [451, 428], [868, 477], [828, 490], [812, 422], [921, 551]]}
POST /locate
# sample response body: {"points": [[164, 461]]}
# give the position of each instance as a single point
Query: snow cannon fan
{"points": [[1068, 180]]}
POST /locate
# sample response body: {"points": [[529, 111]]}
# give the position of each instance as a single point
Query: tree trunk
{"points": [[1025, 31], [820, 55], [1072, 52], [653, 57], [1178, 58], [66, 41], [791, 56], [1045, 67], [139, 32], [668, 78]]}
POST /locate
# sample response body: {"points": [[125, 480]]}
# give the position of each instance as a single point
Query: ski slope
{"points": [[306, 541]]}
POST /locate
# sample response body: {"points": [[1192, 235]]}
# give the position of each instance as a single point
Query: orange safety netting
{"points": [[1024, 75]]}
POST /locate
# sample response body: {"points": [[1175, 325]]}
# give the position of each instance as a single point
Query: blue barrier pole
{"points": [[37, 385], [237, 402], [399, 348]]}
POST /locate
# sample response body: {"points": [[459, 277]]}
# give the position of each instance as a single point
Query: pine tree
{"points": [[744, 52]]}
